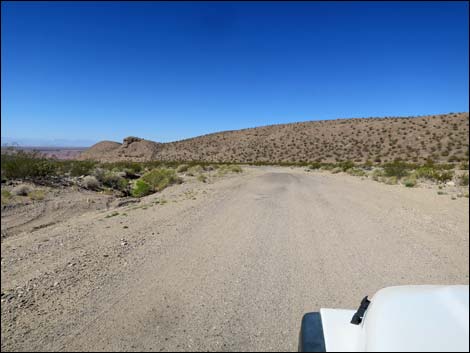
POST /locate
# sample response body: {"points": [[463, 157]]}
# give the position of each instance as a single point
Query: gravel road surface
{"points": [[229, 265]]}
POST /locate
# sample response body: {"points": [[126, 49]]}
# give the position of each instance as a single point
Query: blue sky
{"points": [[84, 71]]}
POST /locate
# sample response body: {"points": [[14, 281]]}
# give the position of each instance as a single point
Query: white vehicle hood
{"points": [[407, 318]]}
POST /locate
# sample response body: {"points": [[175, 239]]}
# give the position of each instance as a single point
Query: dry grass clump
{"points": [[21, 190], [202, 178], [90, 182], [37, 195], [6, 196]]}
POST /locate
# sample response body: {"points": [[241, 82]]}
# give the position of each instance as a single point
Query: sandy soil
{"points": [[227, 265]]}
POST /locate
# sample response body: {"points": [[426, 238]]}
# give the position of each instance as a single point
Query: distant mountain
{"points": [[28, 142], [415, 139]]}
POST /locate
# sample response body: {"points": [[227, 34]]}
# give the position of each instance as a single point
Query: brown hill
{"points": [[132, 148], [415, 139]]}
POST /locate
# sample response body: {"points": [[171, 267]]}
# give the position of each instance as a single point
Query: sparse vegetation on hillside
{"points": [[442, 138]]}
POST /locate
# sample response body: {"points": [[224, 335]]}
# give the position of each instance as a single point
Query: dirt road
{"points": [[229, 265]]}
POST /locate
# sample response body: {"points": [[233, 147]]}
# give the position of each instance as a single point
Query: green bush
{"points": [[132, 167], [346, 165], [425, 172], [463, 179], [315, 165], [27, 165], [141, 188], [378, 174], [235, 169], [202, 177], [37, 195], [328, 166], [435, 172], [368, 164], [410, 182], [444, 176], [158, 179], [78, 168], [356, 171], [114, 181], [182, 168], [396, 169], [6, 196]]}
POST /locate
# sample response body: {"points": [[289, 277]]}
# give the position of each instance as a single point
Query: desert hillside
{"points": [[440, 137]]}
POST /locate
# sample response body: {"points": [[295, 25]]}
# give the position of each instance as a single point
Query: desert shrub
{"points": [[393, 180], [114, 181], [368, 165], [182, 168], [208, 167], [21, 190], [26, 165], [434, 173], [356, 171], [132, 167], [224, 169], [410, 181], [91, 183], [78, 168], [444, 166], [453, 159], [463, 165], [99, 173], [346, 165], [130, 174], [336, 170], [425, 172], [158, 179], [235, 169], [315, 165], [444, 176], [194, 170], [327, 166], [202, 177], [396, 169], [378, 174], [37, 195], [141, 188], [463, 179], [6, 196]]}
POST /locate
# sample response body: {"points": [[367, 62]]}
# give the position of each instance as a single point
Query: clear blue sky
{"points": [[166, 71]]}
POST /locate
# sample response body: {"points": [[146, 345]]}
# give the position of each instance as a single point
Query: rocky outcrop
{"points": [[132, 149]]}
